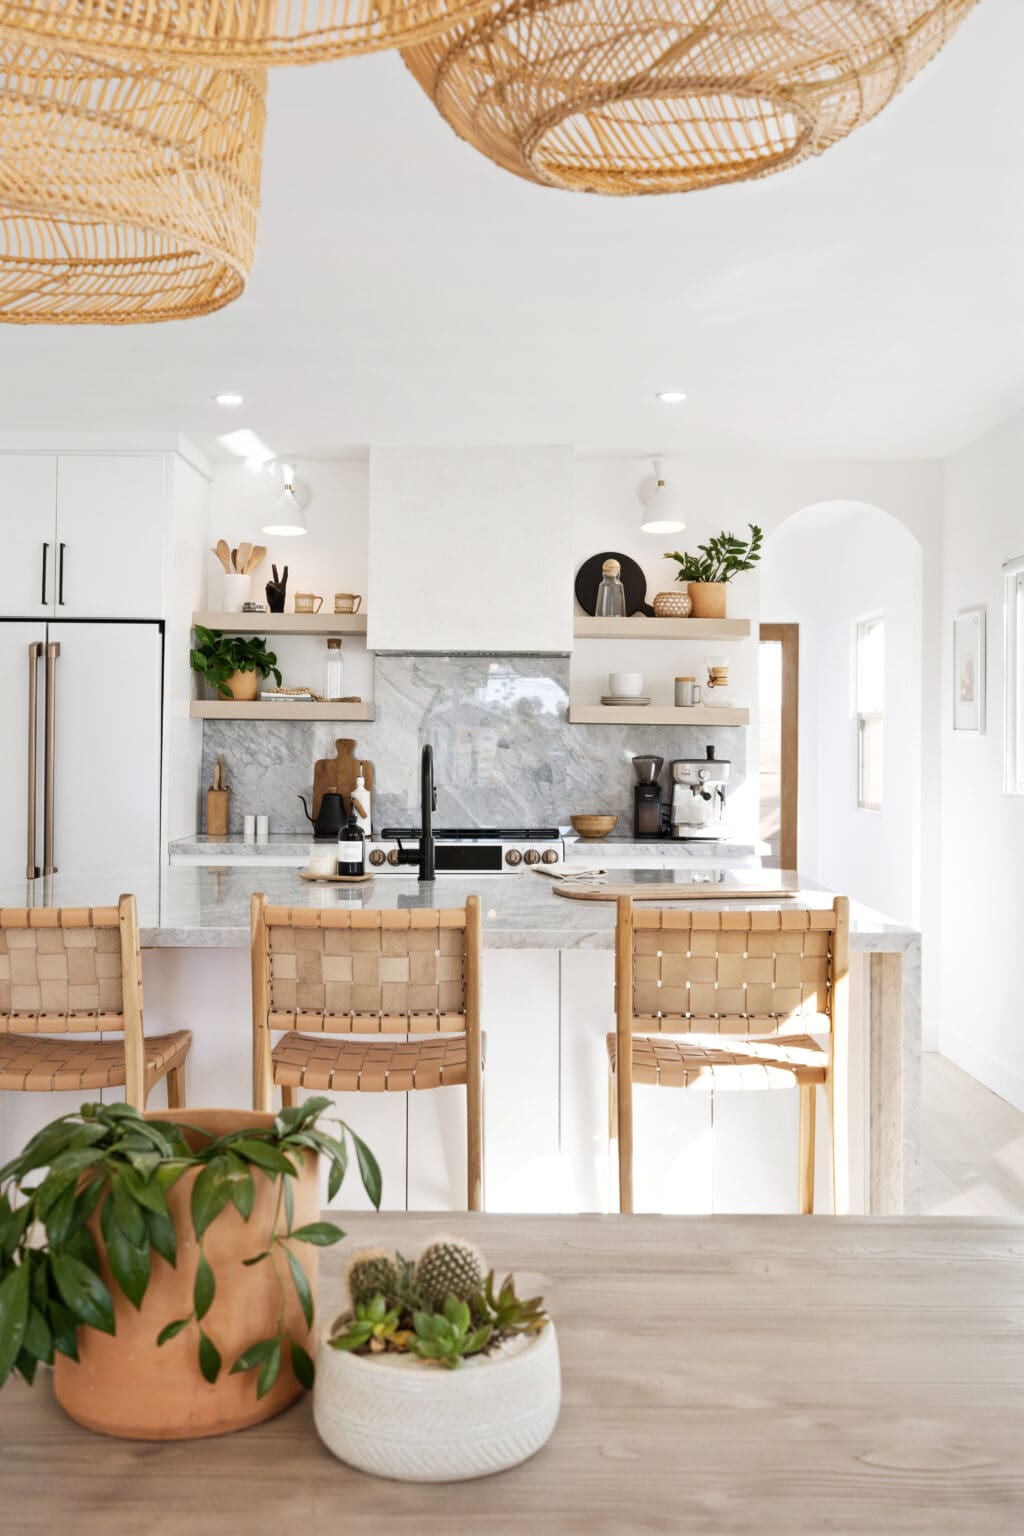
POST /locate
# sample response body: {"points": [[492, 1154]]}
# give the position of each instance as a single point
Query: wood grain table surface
{"points": [[724, 1374]]}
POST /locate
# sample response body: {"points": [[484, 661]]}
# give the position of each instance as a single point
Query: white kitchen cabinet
{"points": [[110, 535], [470, 549], [28, 534]]}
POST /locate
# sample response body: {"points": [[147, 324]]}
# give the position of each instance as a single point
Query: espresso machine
{"points": [[647, 797], [698, 796]]}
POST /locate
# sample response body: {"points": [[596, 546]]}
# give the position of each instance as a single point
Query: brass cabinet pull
{"points": [[35, 650], [52, 652]]}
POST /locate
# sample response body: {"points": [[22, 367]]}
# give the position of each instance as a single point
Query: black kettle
{"points": [[331, 816]]}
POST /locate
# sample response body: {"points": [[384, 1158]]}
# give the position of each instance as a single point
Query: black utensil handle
{"points": [[60, 574], [46, 551]]}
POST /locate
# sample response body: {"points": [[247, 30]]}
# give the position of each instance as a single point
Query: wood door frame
{"points": [[788, 636]]}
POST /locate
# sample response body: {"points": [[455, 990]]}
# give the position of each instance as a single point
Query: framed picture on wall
{"points": [[969, 671]]}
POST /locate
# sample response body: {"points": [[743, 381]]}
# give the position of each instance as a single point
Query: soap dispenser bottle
{"points": [[362, 803], [351, 849]]}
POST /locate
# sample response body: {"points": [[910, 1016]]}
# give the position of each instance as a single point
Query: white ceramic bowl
{"points": [[625, 685], [396, 1417]]}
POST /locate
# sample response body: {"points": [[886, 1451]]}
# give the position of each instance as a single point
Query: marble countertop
{"points": [[199, 907], [615, 848]]}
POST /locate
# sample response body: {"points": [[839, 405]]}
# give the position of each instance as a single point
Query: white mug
{"points": [[626, 685]]}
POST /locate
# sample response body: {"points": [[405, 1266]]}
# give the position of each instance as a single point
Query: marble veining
{"points": [[505, 753]]}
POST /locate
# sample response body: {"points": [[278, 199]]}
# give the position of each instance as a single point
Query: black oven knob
{"points": [[377, 856], [550, 856], [513, 856], [531, 856]]}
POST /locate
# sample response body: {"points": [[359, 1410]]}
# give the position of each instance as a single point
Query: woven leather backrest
{"points": [[732, 973], [60, 970], [360, 972]]}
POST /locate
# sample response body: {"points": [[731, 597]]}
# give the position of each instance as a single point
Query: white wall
{"points": [[982, 829], [824, 569]]}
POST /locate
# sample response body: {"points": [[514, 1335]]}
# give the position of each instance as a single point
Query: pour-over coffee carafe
{"points": [[647, 797]]}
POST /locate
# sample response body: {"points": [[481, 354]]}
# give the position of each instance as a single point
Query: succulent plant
{"points": [[371, 1272], [373, 1326], [447, 1337], [449, 1266], [504, 1310]]}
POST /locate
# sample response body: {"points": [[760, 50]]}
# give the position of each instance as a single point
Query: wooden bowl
{"points": [[593, 826]]}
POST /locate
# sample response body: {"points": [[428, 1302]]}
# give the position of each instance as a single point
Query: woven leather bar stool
{"points": [[69, 971], [370, 974], [762, 985]]}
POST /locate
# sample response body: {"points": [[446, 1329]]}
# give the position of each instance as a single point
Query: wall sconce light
{"points": [[661, 507], [288, 518]]}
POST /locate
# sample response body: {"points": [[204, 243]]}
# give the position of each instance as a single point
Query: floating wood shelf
{"points": [[225, 709], [654, 714], [284, 623], [660, 629]]}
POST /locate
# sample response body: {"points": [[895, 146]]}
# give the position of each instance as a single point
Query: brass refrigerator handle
{"points": [[52, 652], [35, 650]]}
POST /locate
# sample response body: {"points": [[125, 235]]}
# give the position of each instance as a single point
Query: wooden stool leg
{"points": [[613, 1108], [624, 1119], [176, 1087], [475, 1146], [289, 1095], [805, 1197]]}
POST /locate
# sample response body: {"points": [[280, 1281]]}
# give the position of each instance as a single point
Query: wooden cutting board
{"points": [[666, 891], [338, 774]]}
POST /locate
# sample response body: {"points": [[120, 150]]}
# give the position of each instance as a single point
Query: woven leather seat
{"points": [[755, 1064], [38, 1064], [372, 1066]]}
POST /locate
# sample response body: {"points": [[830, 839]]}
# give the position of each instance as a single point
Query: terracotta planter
{"points": [[124, 1385], [708, 599], [243, 686]]}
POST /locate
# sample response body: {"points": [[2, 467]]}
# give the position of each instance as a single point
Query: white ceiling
{"points": [[406, 290]]}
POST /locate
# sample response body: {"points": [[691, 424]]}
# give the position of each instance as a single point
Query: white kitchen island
{"points": [[547, 1005]]}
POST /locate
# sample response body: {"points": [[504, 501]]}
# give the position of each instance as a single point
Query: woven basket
{"points": [[241, 32], [628, 96], [127, 193]]}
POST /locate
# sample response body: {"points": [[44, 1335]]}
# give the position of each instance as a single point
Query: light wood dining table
{"points": [[777, 1375]]}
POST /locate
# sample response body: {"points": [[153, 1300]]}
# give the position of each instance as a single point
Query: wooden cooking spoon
{"points": [[234, 559], [242, 562], [223, 554], [259, 554]]}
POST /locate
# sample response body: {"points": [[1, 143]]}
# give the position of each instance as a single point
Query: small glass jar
{"points": [[611, 595]]}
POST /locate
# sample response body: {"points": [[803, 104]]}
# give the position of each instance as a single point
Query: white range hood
{"points": [[470, 549]]}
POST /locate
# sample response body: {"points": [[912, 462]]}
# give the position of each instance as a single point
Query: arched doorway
{"points": [[849, 575]]}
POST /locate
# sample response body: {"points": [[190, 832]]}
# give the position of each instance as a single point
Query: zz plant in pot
{"points": [[713, 566], [168, 1268], [435, 1373], [233, 664]]}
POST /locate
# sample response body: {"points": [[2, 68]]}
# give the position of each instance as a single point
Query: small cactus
{"points": [[449, 1266], [371, 1272]]}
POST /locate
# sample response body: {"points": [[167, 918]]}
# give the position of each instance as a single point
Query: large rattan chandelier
{"points": [[127, 192], [629, 96], [239, 32]]}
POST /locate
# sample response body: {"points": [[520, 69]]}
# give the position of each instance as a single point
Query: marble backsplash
{"points": [[504, 751]]}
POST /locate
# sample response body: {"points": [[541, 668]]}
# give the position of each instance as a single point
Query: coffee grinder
{"points": [[647, 797]]}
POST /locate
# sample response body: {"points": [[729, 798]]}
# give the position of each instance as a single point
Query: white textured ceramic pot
{"points": [[396, 1417]]}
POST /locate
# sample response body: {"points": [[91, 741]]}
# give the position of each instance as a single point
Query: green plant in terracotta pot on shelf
{"points": [[166, 1267], [233, 664], [708, 572]]}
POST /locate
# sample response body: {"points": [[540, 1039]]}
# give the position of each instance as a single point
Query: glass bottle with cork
{"points": [[611, 595]]}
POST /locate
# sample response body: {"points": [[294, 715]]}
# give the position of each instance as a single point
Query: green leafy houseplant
{"points": [[720, 559], [218, 656], [442, 1309], [109, 1158]]}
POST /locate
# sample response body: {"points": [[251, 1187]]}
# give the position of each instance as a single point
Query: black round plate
{"points": [[588, 579]]}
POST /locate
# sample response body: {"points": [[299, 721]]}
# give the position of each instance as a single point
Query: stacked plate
{"points": [[625, 698]]}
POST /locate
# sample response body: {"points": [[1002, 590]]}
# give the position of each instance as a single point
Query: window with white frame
{"points": [[869, 705], [1013, 677]]}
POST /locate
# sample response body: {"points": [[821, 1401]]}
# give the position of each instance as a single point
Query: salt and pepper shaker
{"points": [[249, 828], [262, 828]]}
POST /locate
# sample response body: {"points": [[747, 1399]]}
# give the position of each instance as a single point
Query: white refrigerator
{"points": [[80, 775]]}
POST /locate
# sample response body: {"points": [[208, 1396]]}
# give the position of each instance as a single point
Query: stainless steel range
{"points": [[469, 850]]}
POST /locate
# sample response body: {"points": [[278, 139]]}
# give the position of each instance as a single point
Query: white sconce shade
{"points": [[661, 508], [288, 518]]}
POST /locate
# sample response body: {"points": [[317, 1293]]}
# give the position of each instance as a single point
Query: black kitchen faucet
{"points": [[424, 854]]}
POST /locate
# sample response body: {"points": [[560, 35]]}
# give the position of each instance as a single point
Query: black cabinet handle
{"points": [[60, 575], [46, 551]]}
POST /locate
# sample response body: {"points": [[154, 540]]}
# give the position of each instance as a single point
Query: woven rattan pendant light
{"points": [[126, 193], [239, 32], [628, 96]]}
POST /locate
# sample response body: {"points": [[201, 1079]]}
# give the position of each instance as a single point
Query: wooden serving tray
{"points": [[307, 874], [665, 891]]}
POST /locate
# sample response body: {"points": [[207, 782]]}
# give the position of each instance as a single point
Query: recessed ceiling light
{"points": [[228, 399], [670, 396]]}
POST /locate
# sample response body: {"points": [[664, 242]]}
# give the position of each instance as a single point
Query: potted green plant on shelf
{"points": [[712, 567], [168, 1270], [435, 1373], [233, 664]]}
